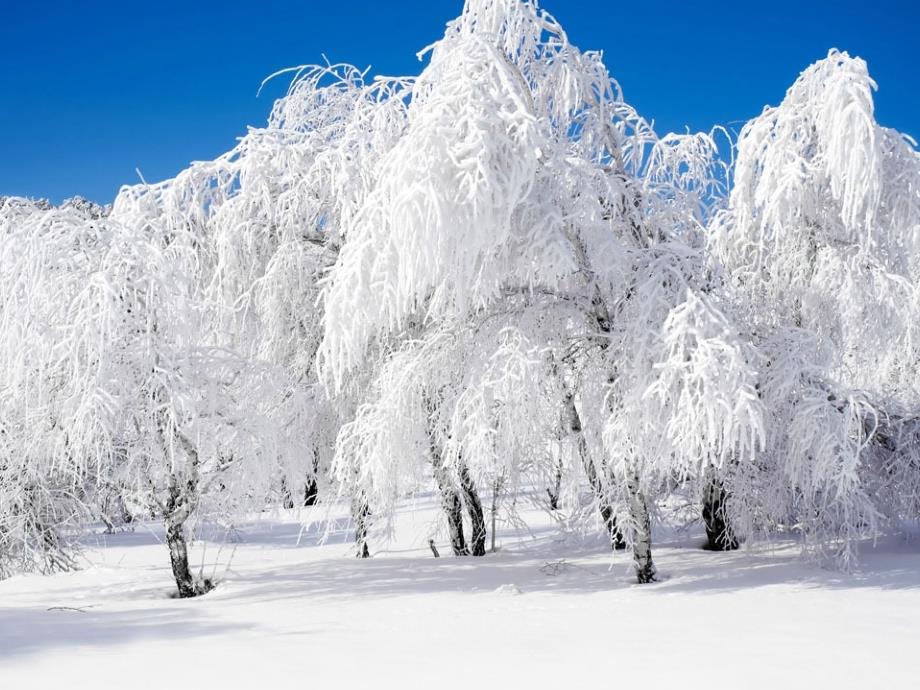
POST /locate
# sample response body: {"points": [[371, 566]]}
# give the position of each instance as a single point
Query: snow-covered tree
{"points": [[527, 195], [115, 376], [819, 245], [46, 254], [492, 277]]}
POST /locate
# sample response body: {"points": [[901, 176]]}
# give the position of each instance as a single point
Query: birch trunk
{"points": [[642, 545], [581, 445], [496, 491], [361, 513], [474, 508], [453, 509], [178, 510], [178, 558], [450, 500], [181, 501]]}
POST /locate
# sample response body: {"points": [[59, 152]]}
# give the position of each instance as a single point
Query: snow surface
{"points": [[546, 610]]}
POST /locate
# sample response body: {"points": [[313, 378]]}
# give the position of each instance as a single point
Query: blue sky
{"points": [[90, 91]]}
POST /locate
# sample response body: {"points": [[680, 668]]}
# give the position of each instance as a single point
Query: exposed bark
{"points": [[453, 509], [450, 499], [311, 490], [181, 501], [719, 535], [600, 318], [310, 493], [557, 486], [606, 510], [474, 508], [178, 558], [178, 507], [496, 493], [361, 512], [642, 545]]}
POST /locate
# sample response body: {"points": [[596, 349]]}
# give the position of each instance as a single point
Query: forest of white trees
{"points": [[494, 281]]}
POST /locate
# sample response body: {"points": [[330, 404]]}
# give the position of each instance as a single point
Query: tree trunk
{"points": [[453, 509], [557, 486], [450, 500], [606, 510], [496, 491], [361, 512], [719, 535], [181, 500], [474, 508], [178, 510], [642, 546], [311, 491], [178, 558]]}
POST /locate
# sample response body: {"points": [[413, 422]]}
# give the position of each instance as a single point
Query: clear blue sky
{"points": [[91, 90]]}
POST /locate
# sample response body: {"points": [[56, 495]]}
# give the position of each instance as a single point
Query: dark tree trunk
{"points": [[606, 510], [642, 546], [557, 487], [616, 535], [474, 508], [362, 513], [178, 558], [450, 500], [181, 500], [453, 509], [311, 491], [178, 511], [719, 535]]}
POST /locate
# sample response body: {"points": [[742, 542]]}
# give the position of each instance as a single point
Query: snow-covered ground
{"points": [[289, 612]]}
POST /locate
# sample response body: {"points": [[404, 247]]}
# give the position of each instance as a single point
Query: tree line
{"points": [[494, 279]]}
